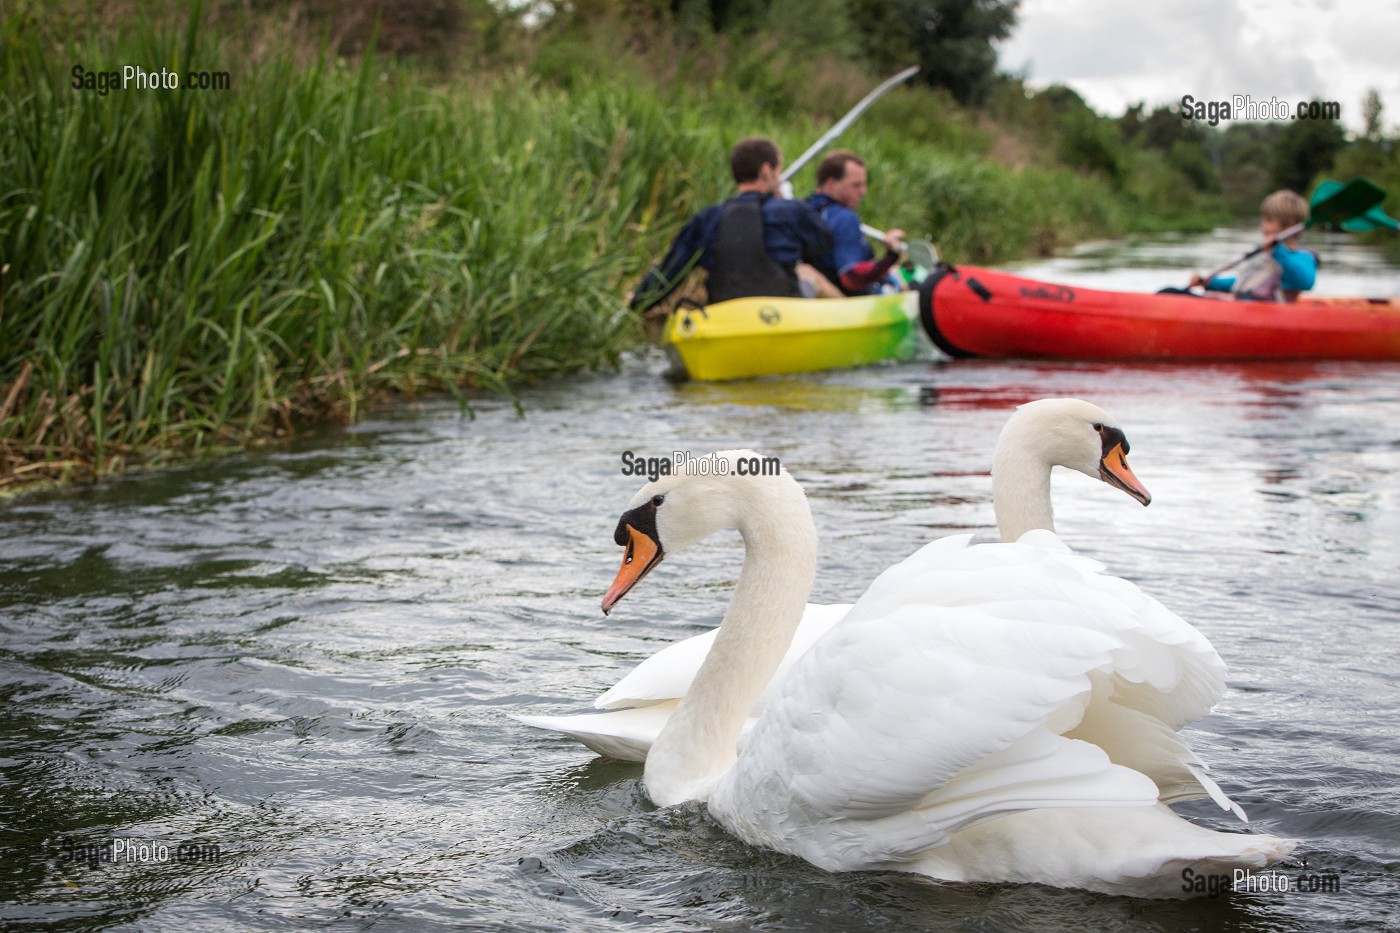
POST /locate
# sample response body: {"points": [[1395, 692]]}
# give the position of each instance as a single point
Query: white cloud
{"points": [[1116, 54]]}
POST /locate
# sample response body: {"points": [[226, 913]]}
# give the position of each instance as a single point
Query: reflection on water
{"points": [[308, 656]]}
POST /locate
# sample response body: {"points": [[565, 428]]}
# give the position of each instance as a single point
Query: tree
{"points": [[1164, 128], [1371, 113], [951, 40], [1305, 149]]}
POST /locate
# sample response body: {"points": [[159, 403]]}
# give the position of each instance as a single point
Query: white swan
{"points": [[1025, 736], [1021, 737], [1039, 436]]}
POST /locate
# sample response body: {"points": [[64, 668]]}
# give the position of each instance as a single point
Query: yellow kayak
{"points": [[750, 337]]}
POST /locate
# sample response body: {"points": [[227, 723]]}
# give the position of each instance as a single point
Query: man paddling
{"points": [[749, 245], [842, 182]]}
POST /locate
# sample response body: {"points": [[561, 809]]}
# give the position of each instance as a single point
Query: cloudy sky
{"points": [[1115, 53]]}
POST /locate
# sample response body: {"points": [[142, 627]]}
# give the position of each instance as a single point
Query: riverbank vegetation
{"points": [[444, 196]]}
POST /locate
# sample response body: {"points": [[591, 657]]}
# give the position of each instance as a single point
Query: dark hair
{"points": [[833, 167], [750, 155]]}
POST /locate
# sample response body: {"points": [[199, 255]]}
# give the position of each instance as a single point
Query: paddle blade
{"points": [[1333, 203], [1374, 219], [922, 253]]}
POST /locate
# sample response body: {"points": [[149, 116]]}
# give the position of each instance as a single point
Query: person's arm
{"points": [[680, 259], [857, 268], [868, 271], [1299, 268], [1221, 284]]}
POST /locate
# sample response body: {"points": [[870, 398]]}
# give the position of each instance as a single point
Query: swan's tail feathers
{"points": [[1144, 743], [1232, 871], [1221, 799], [625, 734], [1137, 852]]}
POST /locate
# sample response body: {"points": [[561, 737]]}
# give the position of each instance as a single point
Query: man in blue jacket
{"points": [[851, 264], [749, 245]]}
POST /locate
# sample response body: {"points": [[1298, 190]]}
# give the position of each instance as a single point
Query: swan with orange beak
{"points": [[1052, 432], [637, 532]]}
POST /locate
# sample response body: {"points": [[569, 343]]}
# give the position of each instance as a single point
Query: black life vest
{"points": [[741, 266], [826, 265]]}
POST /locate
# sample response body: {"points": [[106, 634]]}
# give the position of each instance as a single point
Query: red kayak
{"points": [[969, 311]]}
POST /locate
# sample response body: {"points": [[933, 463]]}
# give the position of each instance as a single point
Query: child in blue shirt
{"points": [[1277, 274]]}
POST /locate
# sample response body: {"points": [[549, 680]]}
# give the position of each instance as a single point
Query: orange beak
{"points": [[1113, 469], [641, 555]]}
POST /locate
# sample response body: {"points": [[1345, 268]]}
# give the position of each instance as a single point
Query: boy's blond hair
{"points": [[1284, 208]]}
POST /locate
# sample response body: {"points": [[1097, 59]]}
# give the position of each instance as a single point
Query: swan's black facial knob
{"points": [[642, 518], [636, 531], [1113, 464]]}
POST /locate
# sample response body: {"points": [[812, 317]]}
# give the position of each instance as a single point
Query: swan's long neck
{"points": [[699, 742], [1020, 486]]}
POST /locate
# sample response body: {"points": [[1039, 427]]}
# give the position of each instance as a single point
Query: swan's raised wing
{"points": [[667, 675], [942, 700], [639, 705], [892, 733], [1163, 665], [1167, 668]]}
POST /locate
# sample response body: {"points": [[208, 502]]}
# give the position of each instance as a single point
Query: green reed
{"points": [[184, 270]]}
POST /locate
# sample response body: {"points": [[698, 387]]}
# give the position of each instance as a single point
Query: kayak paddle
{"points": [[919, 252], [846, 121], [1374, 219]]}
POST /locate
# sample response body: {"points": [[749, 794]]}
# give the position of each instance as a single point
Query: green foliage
{"points": [[951, 40], [1304, 150], [931, 117], [1190, 160], [1161, 130], [1246, 157], [1371, 110], [1089, 142], [190, 268], [819, 27]]}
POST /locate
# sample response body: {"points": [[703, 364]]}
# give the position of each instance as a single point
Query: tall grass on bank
{"points": [[187, 268]]}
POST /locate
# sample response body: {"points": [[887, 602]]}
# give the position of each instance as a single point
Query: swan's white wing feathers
{"points": [[640, 704], [625, 734], [1146, 744], [667, 675], [940, 699], [932, 725], [1163, 665]]}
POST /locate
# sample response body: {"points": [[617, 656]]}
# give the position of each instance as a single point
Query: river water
{"points": [[307, 657]]}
